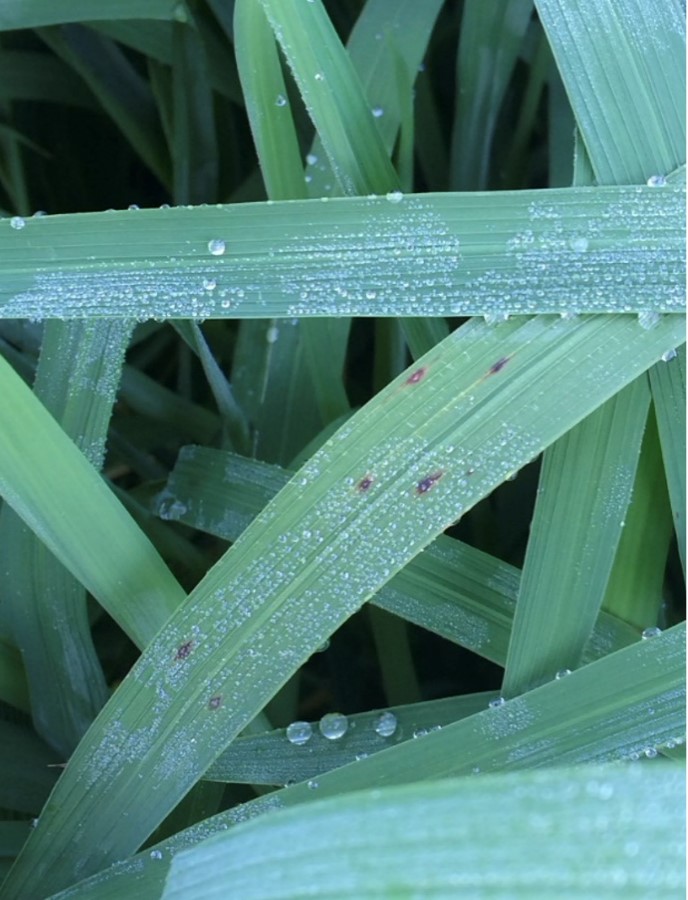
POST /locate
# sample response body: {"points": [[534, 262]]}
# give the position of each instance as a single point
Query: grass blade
{"points": [[570, 250], [33, 13]]}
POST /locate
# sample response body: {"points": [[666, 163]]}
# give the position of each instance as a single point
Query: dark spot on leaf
{"points": [[184, 650], [498, 366], [428, 482], [215, 702], [417, 376], [365, 483]]}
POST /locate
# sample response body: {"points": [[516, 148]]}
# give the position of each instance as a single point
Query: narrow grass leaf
{"points": [[274, 758], [585, 489], [30, 75], [491, 39], [430, 447], [623, 66], [49, 482], [569, 250], [14, 689], [494, 836], [25, 762], [668, 381], [333, 94]]}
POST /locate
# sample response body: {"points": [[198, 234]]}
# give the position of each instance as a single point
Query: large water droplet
{"points": [[17, 223], [311, 159], [280, 100], [378, 112], [656, 181], [650, 752], [651, 632], [333, 726], [669, 355], [217, 246], [156, 854], [209, 284], [299, 732], [562, 673], [498, 701], [385, 724], [395, 196]]}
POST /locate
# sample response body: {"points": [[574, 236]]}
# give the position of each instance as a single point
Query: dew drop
{"points": [[562, 673], [579, 244], [280, 100], [498, 701], [648, 318], [319, 76], [209, 284], [17, 223], [272, 334], [420, 732], [133, 207], [323, 647], [385, 724], [494, 318], [650, 752], [395, 196], [39, 214], [651, 632], [217, 246], [669, 355], [378, 112], [333, 726], [156, 854], [656, 181], [360, 756], [312, 785], [311, 159], [299, 733], [34, 823]]}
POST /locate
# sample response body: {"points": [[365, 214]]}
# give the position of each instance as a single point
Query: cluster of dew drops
{"points": [[334, 726]]}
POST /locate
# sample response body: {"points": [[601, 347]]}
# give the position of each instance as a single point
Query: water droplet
{"points": [[280, 100], [323, 647], [651, 632], [299, 733], [648, 318], [562, 673], [34, 822], [395, 196], [312, 785], [319, 76], [156, 854], [360, 756], [385, 724], [579, 244], [39, 214], [209, 284], [333, 726], [133, 207], [669, 355], [311, 159], [420, 732], [650, 752], [378, 112], [498, 701], [272, 334], [656, 181], [17, 223], [217, 247]]}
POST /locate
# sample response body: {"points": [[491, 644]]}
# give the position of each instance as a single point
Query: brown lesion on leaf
{"points": [[426, 484], [417, 376], [365, 483], [184, 650], [498, 366]]}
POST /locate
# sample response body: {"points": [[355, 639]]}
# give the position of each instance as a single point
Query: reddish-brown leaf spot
{"points": [[184, 650], [428, 482], [365, 483], [417, 376], [215, 702], [498, 366]]}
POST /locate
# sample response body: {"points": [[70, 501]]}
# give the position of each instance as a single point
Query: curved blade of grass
{"points": [[668, 382], [385, 35], [269, 758], [634, 592], [490, 41], [333, 94], [429, 446], [585, 249], [30, 75], [32, 13], [502, 835], [585, 489], [49, 482], [77, 379], [623, 66], [460, 593], [596, 714]]}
